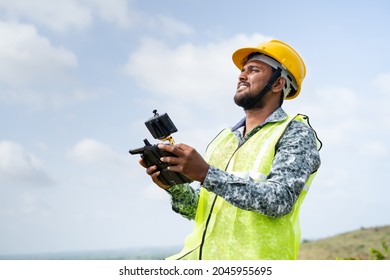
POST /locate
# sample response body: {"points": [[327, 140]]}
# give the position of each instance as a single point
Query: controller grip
{"points": [[151, 156]]}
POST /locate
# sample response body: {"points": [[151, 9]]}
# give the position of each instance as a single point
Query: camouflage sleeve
{"points": [[184, 199], [296, 157]]}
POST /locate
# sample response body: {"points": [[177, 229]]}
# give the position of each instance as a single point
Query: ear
{"points": [[278, 84]]}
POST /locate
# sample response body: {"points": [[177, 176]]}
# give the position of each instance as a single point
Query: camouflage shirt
{"points": [[296, 157]]}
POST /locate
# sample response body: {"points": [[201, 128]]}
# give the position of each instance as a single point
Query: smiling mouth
{"points": [[242, 85]]}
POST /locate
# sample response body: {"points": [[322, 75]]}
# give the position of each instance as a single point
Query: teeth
{"points": [[242, 86]]}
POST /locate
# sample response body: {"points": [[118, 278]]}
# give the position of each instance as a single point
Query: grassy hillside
{"points": [[359, 244]]}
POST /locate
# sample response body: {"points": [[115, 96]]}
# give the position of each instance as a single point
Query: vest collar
{"points": [[278, 115]]}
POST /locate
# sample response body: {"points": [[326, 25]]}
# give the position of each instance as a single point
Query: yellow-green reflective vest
{"points": [[223, 231]]}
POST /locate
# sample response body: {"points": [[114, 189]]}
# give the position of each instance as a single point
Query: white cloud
{"points": [[201, 74], [382, 83], [379, 100], [20, 167], [71, 14], [57, 15], [28, 58], [62, 16], [91, 151], [172, 27], [39, 99], [117, 11], [36, 73]]}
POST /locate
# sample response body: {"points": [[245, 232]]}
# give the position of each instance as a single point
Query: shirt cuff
{"points": [[176, 189]]}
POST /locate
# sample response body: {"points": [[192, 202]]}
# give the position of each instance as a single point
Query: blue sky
{"points": [[78, 79]]}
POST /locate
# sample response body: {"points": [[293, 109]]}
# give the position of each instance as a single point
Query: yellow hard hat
{"points": [[289, 60]]}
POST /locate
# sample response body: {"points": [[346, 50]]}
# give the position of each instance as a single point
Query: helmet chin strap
{"points": [[267, 87]]}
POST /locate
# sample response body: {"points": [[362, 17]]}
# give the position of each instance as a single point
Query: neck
{"points": [[257, 116]]}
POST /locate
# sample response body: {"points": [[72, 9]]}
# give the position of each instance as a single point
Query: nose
{"points": [[243, 75]]}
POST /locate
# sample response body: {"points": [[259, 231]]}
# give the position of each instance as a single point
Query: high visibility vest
{"points": [[223, 231]]}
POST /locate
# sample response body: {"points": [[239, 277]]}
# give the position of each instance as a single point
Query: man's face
{"points": [[251, 81]]}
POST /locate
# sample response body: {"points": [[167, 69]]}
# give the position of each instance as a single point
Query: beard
{"points": [[247, 101]]}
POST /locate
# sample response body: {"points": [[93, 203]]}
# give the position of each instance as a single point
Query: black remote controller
{"points": [[151, 155]]}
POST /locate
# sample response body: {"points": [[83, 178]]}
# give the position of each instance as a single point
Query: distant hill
{"points": [[358, 244]]}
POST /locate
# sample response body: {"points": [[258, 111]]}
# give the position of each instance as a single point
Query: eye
{"points": [[253, 69], [250, 69]]}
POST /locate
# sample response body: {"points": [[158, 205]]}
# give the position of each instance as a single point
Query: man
{"points": [[255, 175]]}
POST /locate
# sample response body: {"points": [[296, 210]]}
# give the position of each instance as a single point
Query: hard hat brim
{"points": [[240, 55]]}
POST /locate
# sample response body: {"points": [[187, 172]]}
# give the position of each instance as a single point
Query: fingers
{"points": [[154, 176], [150, 170], [187, 161], [154, 173], [178, 149], [142, 162], [181, 151]]}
